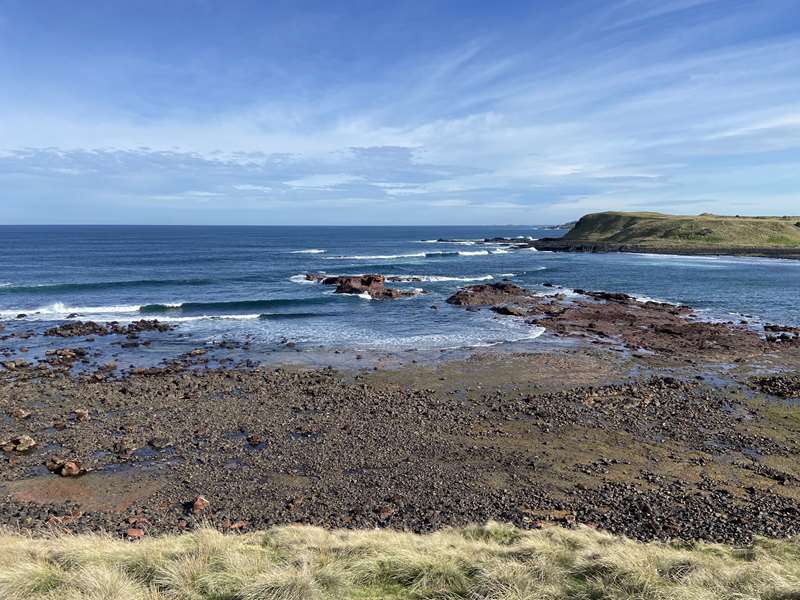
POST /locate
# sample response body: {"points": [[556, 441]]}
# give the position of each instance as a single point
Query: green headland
{"points": [[706, 230], [774, 237]]}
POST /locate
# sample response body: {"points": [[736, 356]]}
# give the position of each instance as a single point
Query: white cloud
{"points": [[789, 122], [327, 181], [248, 187]]}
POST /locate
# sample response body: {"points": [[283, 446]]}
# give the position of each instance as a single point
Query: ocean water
{"points": [[245, 283]]}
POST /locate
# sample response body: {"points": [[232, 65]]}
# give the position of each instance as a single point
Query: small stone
{"points": [[21, 443], [20, 413], [65, 468], [159, 443], [385, 511], [134, 533], [255, 439], [71, 468], [200, 504], [82, 414]]}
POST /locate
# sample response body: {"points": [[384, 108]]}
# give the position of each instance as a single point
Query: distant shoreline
{"points": [[564, 245]]}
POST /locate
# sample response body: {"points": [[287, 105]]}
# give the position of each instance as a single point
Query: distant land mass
{"points": [[561, 227], [777, 237]]}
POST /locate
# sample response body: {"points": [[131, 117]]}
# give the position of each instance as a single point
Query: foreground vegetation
{"points": [[660, 230], [495, 561]]}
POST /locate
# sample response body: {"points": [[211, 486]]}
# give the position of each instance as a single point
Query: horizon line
{"points": [[244, 225]]}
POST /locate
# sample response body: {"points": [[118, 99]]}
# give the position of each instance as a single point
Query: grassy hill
{"points": [[658, 230], [493, 562]]}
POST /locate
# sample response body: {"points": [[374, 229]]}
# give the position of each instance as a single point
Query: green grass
{"points": [[660, 230], [492, 562]]}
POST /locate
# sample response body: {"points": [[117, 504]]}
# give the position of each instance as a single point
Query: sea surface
{"points": [[246, 283]]}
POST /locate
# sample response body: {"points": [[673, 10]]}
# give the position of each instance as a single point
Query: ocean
{"points": [[246, 284]]}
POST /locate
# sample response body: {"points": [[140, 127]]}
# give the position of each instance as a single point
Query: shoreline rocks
{"points": [[613, 317], [90, 328], [490, 294], [374, 285]]}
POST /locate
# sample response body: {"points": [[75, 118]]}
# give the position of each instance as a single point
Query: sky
{"points": [[371, 112]]}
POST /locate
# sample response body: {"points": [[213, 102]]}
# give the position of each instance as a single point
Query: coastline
{"points": [[562, 245], [681, 429]]}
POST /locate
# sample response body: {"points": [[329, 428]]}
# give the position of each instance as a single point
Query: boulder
{"points": [[374, 285], [488, 294]]}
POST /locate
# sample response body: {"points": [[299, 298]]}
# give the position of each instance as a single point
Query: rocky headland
{"points": [[706, 234], [656, 233]]}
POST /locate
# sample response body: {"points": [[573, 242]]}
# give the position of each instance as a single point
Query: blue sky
{"points": [[428, 112]]}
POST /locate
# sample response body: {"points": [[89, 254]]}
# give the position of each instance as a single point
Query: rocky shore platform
{"points": [[652, 423]]}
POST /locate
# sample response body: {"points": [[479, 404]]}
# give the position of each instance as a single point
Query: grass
{"points": [[660, 230], [491, 562]]}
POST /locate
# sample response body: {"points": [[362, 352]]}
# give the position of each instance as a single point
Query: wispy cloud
{"points": [[541, 114]]}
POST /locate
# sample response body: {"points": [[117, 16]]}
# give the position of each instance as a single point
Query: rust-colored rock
{"points": [[66, 468], [613, 317], [374, 285], [200, 504], [489, 294], [134, 533]]}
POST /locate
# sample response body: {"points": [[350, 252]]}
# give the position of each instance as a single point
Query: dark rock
{"points": [[488, 294], [512, 310]]}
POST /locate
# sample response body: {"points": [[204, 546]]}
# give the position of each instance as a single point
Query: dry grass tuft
{"points": [[488, 562]]}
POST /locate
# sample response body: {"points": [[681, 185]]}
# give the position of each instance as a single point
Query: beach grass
{"points": [[491, 562]]}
